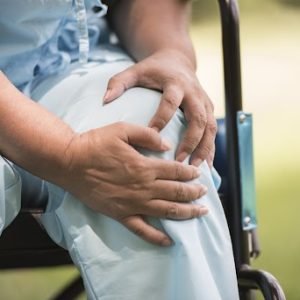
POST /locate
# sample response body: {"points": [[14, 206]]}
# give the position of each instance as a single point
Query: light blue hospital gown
{"points": [[39, 54]]}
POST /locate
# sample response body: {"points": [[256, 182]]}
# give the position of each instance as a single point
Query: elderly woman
{"points": [[123, 138]]}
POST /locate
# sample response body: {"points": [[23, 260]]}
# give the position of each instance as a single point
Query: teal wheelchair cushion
{"points": [[220, 161]]}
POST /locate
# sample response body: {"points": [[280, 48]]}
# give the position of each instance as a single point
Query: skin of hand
{"points": [[112, 187], [100, 167], [170, 72], [155, 33]]}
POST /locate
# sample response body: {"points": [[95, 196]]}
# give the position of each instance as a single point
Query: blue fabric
{"points": [[43, 37]]}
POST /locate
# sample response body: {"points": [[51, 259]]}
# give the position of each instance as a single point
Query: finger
{"points": [[138, 226], [176, 211], [144, 137], [173, 170], [177, 191], [170, 101], [211, 157], [206, 146], [119, 83], [197, 119]]}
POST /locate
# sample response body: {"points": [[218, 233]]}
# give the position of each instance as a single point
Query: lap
{"points": [[10, 193], [76, 97], [115, 263]]}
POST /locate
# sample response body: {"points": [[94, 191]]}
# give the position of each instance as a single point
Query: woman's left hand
{"points": [[171, 72]]}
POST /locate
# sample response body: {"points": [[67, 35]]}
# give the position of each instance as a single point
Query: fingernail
{"points": [[166, 242], [203, 210], [106, 96], [181, 157], [197, 162], [204, 189], [197, 171], [166, 145]]}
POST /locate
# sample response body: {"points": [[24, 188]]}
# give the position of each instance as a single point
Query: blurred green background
{"points": [[270, 43]]}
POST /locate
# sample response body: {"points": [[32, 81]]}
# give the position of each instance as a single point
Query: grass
{"points": [[279, 206], [271, 71], [34, 284]]}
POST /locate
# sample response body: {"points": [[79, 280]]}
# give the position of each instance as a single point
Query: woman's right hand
{"points": [[111, 177]]}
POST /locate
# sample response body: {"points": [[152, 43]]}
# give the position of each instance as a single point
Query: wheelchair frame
{"points": [[37, 250], [248, 278]]}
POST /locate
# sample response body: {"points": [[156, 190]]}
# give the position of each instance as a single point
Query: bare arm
{"points": [[145, 27], [155, 33], [31, 136]]}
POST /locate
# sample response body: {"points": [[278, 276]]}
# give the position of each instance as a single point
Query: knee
{"points": [[137, 105]]}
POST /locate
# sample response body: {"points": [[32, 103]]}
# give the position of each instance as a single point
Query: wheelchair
{"points": [[24, 244]]}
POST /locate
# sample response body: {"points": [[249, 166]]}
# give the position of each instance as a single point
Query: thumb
{"points": [[119, 83], [145, 137]]}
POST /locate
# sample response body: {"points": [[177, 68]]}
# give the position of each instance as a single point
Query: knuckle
{"points": [[196, 192], [113, 80], [194, 212], [150, 133], [138, 167], [194, 173], [137, 173], [138, 231], [190, 143], [180, 192], [159, 122], [200, 120], [204, 151], [212, 127], [121, 126], [171, 102], [177, 171], [172, 211]]}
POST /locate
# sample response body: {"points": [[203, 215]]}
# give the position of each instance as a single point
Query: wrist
{"points": [[180, 55], [58, 161]]}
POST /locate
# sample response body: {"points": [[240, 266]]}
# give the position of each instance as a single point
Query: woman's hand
{"points": [[171, 72], [111, 177], [100, 167]]}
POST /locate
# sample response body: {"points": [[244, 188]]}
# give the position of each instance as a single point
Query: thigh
{"points": [[10, 193], [76, 97]]}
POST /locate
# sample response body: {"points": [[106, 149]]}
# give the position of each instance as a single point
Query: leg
{"points": [[114, 263], [10, 193]]}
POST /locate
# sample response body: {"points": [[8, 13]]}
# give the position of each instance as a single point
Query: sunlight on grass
{"points": [[34, 284]]}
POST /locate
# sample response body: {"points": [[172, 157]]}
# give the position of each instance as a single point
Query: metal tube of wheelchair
{"points": [[249, 278], [233, 104]]}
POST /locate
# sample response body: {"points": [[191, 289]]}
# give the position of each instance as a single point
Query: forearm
{"points": [[31, 136], [145, 27]]}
